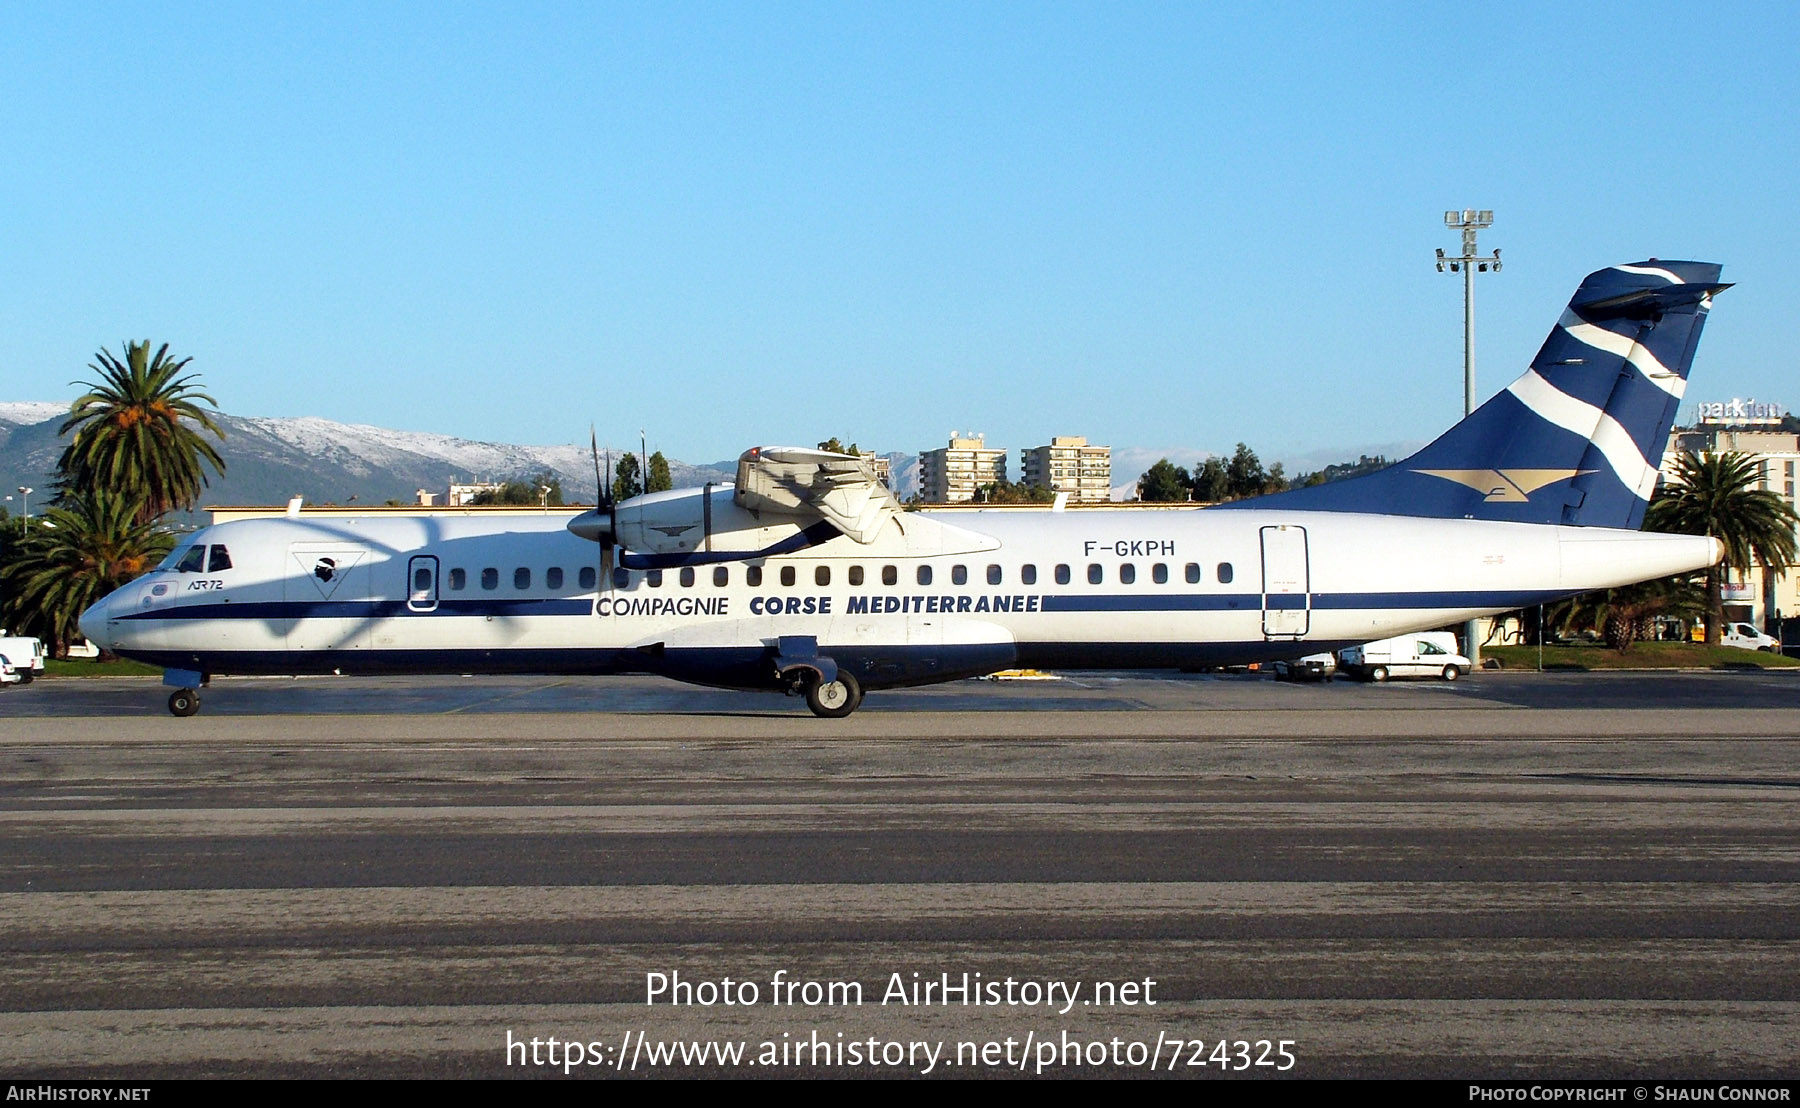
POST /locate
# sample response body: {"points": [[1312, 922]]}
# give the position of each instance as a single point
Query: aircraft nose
{"points": [[93, 624]]}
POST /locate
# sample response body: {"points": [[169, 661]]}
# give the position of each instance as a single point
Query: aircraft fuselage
{"points": [[935, 596]]}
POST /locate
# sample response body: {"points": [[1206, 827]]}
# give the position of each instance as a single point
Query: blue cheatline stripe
{"points": [[371, 609], [1321, 601], [1051, 602], [1498, 598]]}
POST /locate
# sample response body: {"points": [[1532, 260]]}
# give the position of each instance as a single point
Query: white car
{"points": [[8, 675], [1426, 654], [1313, 667]]}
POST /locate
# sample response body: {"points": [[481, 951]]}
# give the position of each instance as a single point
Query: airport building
{"points": [[951, 474], [1070, 465], [464, 494], [1757, 597]]}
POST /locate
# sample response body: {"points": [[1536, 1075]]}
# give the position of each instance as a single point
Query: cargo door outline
{"points": [[1286, 583]]}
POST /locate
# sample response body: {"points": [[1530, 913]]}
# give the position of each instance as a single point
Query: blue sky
{"points": [[1155, 225]]}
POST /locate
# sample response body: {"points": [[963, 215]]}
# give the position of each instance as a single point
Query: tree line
{"points": [[1237, 478]]}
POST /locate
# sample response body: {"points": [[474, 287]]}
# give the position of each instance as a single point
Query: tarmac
{"points": [[1515, 875]]}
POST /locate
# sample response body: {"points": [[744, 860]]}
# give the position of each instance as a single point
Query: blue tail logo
{"points": [[1510, 486], [1577, 439]]}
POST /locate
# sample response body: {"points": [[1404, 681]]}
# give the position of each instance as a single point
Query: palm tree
{"points": [[83, 547], [1716, 495], [138, 432]]}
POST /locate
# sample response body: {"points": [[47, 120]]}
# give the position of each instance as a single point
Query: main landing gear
{"points": [[184, 702], [834, 699]]}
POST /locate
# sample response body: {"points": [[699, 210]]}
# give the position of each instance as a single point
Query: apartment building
{"points": [[1069, 464], [951, 474]]}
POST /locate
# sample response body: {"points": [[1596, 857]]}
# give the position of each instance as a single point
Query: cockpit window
{"points": [[220, 559], [194, 561]]}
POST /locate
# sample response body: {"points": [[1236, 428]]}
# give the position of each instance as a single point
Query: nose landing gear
{"points": [[185, 700]]}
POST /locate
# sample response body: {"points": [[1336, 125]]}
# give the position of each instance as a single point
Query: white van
{"points": [[1746, 637], [26, 655], [1425, 654]]}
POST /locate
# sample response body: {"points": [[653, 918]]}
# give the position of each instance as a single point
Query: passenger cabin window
{"points": [[687, 577], [856, 575], [993, 575], [1224, 573], [219, 560], [924, 575], [490, 578], [822, 575], [890, 575], [422, 579], [959, 575], [753, 576], [553, 577], [787, 577], [1127, 574], [194, 561], [459, 579], [721, 577], [586, 578], [1095, 573], [621, 577], [1159, 573], [653, 578], [521, 579], [1193, 573], [1028, 574], [1062, 575]]}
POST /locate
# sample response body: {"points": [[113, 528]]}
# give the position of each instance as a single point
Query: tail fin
{"points": [[1577, 439]]}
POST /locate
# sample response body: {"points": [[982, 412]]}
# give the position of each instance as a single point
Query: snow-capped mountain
{"points": [[269, 460]]}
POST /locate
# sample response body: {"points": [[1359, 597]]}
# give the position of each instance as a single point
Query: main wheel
{"points": [[834, 699], [184, 702], [1379, 673], [1451, 673]]}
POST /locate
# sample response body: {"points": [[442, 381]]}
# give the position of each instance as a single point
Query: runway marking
{"points": [[531, 690]]}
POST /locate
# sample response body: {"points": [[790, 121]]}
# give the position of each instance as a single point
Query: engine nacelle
{"points": [[683, 521]]}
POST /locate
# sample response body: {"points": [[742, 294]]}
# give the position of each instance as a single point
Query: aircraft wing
{"points": [[840, 488]]}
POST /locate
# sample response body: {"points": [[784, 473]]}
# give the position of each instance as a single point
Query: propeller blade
{"points": [[599, 489]]}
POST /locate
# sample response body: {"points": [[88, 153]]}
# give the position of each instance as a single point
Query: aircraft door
{"points": [[326, 593], [1286, 590], [422, 583]]}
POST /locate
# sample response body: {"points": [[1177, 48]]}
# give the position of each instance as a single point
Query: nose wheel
{"points": [[834, 699], [184, 702]]}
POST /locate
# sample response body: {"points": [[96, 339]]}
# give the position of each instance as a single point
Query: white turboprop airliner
{"points": [[804, 575]]}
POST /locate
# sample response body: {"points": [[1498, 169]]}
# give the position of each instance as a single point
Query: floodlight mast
{"points": [[1469, 221]]}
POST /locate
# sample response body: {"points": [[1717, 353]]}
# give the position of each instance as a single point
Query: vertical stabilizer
{"points": [[1577, 439]]}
